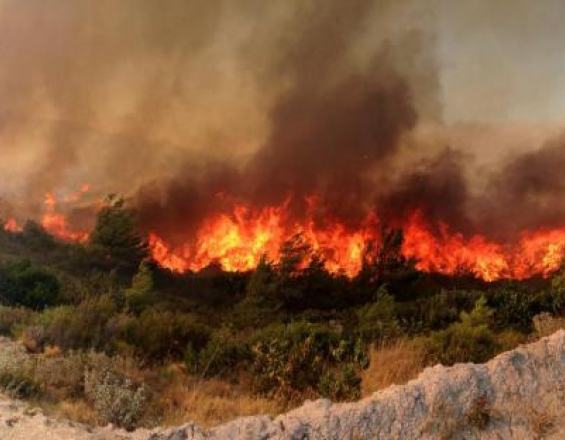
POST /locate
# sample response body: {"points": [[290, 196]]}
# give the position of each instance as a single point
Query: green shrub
{"points": [[469, 340], [27, 285], [287, 359], [115, 398], [377, 321], [219, 356], [13, 317], [139, 295], [82, 326], [342, 383], [158, 335], [19, 384]]}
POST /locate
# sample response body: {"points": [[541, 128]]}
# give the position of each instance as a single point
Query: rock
{"points": [[519, 394]]}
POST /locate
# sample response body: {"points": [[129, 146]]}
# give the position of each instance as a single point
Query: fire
{"points": [[56, 222], [238, 241], [12, 226], [536, 253]]}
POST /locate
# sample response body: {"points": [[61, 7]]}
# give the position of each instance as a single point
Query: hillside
{"points": [[518, 394]]}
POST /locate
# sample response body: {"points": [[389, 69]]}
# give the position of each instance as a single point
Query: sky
{"points": [[502, 60]]}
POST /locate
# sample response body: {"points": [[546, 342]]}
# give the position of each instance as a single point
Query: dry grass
{"points": [[209, 402], [393, 364]]}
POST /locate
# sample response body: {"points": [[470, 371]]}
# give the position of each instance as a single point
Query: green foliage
{"points": [[515, 306], [139, 295], [158, 335], [262, 282], [12, 318], [27, 285], [116, 238], [115, 398], [377, 321], [19, 384], [342, 383], [289, 359], [82, 326], [219, 356], [469, 340]]}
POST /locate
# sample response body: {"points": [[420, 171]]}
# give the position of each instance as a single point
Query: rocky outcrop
{"points": [[519, 394]]}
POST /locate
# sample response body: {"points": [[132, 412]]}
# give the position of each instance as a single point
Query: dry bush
{"points": [[208, 402], [394, 363], [546, 324]]}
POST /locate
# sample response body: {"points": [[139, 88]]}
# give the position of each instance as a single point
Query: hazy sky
{"points": [[502, 60]]}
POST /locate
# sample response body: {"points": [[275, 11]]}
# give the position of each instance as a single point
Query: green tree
{"points": [[116, 237], [139, 295], [469, 340]]}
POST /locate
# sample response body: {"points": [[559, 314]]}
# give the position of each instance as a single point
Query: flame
{"points": [[56, 222], [12, 226], [237, 241], [536, 253]]}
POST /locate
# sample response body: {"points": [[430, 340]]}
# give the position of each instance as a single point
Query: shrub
{"points": [[115, 398], [219, 356], [13, 317], [18, 384], [377, 321], [138, 296], [82, 326], [342, 383], [289, 359], [467, 340], [29, 286], [545, 324], [159, 335]]}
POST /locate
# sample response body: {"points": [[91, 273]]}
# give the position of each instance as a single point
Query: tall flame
{"points": [[238, 240]]}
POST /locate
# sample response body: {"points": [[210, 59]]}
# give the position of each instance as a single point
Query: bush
{"points": [[219, 356], [342, 383], [469, 340], [115, 398], [82, 326], [377, 321], [159, 335], [289, 359], [13, 317], [24, 284], [19, 385]]}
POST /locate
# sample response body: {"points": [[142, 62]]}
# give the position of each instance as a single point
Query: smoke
{"points": [[187, 107]]}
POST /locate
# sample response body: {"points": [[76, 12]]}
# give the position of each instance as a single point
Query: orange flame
{"points": [[536, 253], [57, 224], [238, 241], [12, 226]]}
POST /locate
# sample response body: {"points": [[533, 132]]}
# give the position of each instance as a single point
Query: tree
{"points": [[116, 237], [139, 295]]}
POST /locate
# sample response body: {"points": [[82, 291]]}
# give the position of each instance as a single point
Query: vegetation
{"points": [[111, 337]]}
